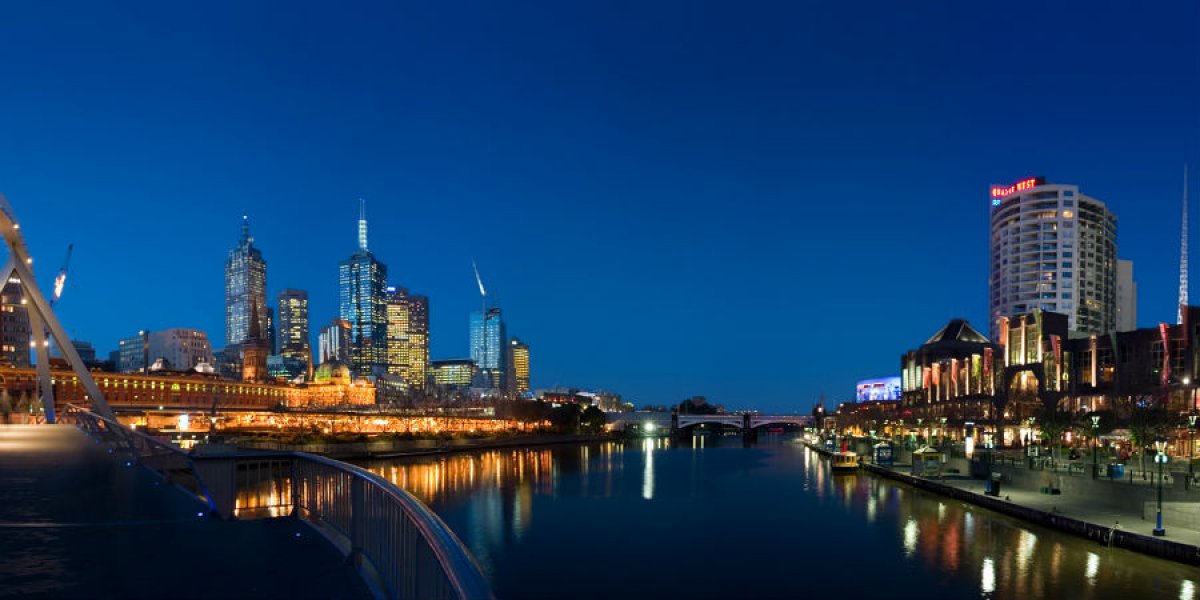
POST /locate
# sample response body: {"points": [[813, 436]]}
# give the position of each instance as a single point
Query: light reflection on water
{"points": [[542, 520]]}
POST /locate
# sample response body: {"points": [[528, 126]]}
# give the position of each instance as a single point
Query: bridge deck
{"points": [[76, 523]]}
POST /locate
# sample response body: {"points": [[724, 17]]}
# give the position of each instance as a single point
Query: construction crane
{"points": [[60, 280]]}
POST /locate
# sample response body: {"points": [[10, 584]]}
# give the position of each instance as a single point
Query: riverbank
{"points": [[403, 448], [1077, 514]]}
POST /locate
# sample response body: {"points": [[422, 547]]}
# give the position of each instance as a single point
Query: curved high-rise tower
{"points": [[1052, 248]]}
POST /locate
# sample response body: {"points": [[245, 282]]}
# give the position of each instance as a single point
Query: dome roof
{"points": [[330, 370]]}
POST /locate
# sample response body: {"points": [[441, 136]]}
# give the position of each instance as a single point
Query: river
{"points": [[713, 519]]}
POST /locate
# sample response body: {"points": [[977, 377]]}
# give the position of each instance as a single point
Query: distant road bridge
{"points": [[675, 422]]}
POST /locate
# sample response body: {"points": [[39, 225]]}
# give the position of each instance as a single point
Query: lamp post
{"points": [[1095, 445], [942, 437], [1161, 459], [1191, 447]]}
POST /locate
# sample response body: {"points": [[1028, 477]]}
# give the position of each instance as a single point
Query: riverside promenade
{"points": [[1111, 512], [76, 522]]}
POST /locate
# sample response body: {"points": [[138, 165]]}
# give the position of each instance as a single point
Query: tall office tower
{"points": [[1055, 249], [15, 331], [408, 337], [245, 289], [293, 328], [518, 366], [363, 303], [487, 345], [182, 348], [333, 343], [1126, 296]]}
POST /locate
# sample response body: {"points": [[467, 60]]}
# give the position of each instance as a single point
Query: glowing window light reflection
{"points": [[1025, 549], [1093, 567], [988, 577], [910, 537], [1187, 590]]}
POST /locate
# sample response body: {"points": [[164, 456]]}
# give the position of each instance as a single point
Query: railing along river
{"points": [[401, 547]]}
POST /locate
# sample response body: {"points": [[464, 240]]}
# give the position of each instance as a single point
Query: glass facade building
{"points": [[454, 372], [245, 289], [408, 337], [363, 303], [488, 345], [293, 328]]}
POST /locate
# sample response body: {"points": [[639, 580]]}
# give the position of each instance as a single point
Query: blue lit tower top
{"points": [[488, 345]]}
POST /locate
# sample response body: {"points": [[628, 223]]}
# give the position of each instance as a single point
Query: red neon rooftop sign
{"points": [[1025, 184]]}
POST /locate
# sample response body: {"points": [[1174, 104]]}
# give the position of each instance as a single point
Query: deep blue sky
{"points": [[754, 202]]}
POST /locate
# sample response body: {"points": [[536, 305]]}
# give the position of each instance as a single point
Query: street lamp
{"points": [[1191, 447], [1161, 459], [1095, 444], [942, 437]]}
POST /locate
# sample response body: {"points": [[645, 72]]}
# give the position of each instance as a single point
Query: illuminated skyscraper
{"points": [[408, 337], [293, 328], [14, 324], [363, 303], [518, 366], [1055, 249], [488, 346], [245, 289]]}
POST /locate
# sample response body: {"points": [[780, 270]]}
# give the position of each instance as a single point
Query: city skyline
{"points": [[619, 181]]}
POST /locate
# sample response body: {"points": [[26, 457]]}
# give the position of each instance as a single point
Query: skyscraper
{"points": [[15, 331], [293, 328], [408, 337], [245, 289], [1055, 249], [363, 303], [488, 345], [518, 366]]}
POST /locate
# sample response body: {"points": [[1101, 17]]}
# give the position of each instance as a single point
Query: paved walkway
{"points": [[76, 523], [1075, 506]]}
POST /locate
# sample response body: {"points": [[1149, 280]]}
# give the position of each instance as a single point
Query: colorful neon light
{"points": [[999, 193]]}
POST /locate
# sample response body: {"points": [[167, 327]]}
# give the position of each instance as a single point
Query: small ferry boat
{"points": [[844, 462]]}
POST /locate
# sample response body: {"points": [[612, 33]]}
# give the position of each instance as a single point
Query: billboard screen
{"points": [[883, 388]]}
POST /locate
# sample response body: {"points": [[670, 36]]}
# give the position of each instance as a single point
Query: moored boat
{"points": [[844, 461]]}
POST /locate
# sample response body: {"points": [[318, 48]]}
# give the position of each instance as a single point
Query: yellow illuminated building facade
{"points": [[518, 361], [408, 337]]}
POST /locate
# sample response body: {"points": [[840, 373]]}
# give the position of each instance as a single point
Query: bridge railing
{"points": [[401, 547]]}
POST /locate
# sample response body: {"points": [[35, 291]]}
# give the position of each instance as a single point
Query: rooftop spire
{"points": [[1183, 253], [362, 224], [246, 230]]}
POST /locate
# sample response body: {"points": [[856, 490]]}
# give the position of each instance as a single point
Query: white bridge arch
{"points": [[42, 319]]}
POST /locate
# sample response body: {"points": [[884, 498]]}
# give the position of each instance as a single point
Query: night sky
{"points": [[753, 202]]}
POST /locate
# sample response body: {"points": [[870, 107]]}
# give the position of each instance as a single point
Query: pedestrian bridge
{"points": [[674, 422]]}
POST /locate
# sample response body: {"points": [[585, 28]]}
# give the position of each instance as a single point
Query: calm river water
{"points": [[656, 519]]}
